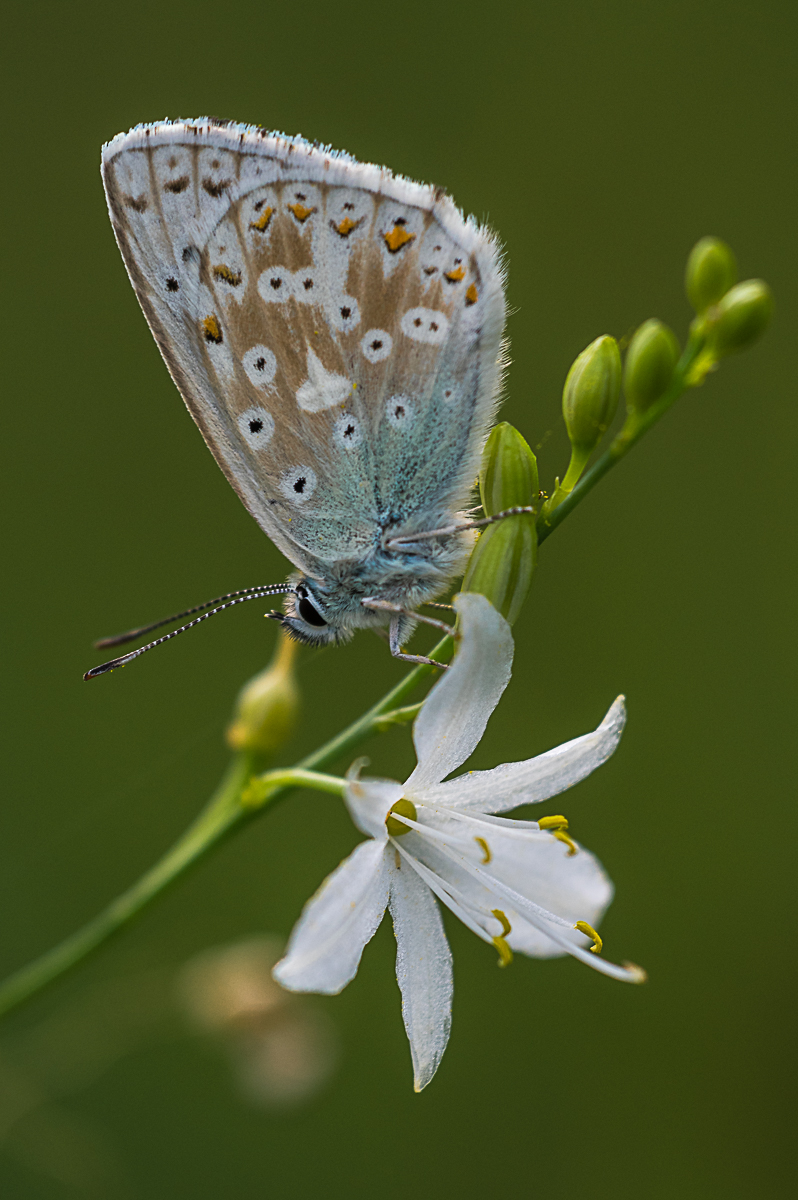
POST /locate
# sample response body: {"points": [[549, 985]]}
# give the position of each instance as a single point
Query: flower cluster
{"points": [[520, 885]]}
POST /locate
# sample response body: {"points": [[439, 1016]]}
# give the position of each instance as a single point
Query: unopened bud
{"points": [[741, 317], [509, 474], [503, 561], [650, 361], [267, 706], [711, 270], [590, 395]]}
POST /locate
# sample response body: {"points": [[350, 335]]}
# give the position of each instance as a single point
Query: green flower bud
{"points": [[711, 271], [267, 706], [741, 317], [590, 395], [650, 361], [509, 474], [503, 561]]}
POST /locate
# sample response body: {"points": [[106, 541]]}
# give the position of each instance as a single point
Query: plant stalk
{"points": [[240, 797]]}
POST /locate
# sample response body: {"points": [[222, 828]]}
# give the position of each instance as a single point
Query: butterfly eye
{"points": [[308, 612]]}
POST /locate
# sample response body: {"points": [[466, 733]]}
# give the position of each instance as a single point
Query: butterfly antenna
{"points": [[230, 601], [119, 639]]}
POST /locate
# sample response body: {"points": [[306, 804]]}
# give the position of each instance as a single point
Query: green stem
{"points": [[229, 808], [620, 446], [215, 821], [240, 798]]}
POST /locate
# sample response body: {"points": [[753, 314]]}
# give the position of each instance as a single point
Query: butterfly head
{"points": [[307, 619]]}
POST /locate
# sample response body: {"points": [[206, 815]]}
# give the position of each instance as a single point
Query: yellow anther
{"points": [[505, 953], [402, 808], [502, 919], [569, 842], [553, 823], [583, 927], [485, 848], [556, 827]]}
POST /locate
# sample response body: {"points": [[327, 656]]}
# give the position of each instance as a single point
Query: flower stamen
{"points": [[553, 823], [505, 953], [583, 927], [485, 848], [556, 826]]}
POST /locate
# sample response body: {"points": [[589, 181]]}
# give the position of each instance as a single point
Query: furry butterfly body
{"points": [[336, 333]]}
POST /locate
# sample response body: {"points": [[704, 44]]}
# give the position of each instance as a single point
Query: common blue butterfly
{"points": [[336, 332]]}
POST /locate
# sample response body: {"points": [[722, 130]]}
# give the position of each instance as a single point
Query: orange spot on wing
{"points": [[300, 212], [397, 238], [212, 330], [346, 227], [456, 275], [472, 295], [262, 222], [229, 276]]}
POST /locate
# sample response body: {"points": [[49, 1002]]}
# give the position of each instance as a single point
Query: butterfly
{"points": [[335, 331]]}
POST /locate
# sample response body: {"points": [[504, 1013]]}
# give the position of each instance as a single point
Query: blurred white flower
{"points": [[283, 1049], [516, 884]]}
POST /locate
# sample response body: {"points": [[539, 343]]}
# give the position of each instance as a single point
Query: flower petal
{"points": [[327, 942], [535, 779], [457, 709], [423, 970], [369, 801], [574, 886]]}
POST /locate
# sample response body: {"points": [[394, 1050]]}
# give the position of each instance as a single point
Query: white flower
{"points": [[514, 883]]}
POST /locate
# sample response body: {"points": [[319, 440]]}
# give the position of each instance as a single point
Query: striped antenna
{"points": [[215, 606]]}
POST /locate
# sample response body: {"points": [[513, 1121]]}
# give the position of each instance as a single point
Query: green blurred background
{"points": [[601, 140]]}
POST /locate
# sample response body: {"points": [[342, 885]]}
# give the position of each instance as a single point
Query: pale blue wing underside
{"points": [[334, 330]]}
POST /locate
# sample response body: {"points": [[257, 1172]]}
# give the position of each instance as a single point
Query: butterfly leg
{"points": [[396, 646], [409, 539], [395, 629]]}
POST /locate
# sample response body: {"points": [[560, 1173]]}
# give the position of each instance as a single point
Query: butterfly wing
{"points": [[334, 330]]}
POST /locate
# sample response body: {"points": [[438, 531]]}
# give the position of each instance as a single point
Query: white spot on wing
{"points": [[275, 285], [322, 388], [344, 312], [257, 427], [376, 345], [260, 365], [306, 287], [298, 484], [425, 325], [347, 431], [399, 411]]}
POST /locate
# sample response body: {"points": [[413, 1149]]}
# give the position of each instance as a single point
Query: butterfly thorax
{"points": [[328, 607]]}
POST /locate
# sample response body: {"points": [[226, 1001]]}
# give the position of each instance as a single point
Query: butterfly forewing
{"points": [[335, 331]]}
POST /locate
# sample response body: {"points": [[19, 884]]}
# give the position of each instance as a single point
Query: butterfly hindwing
{"points": [[335, 331]]}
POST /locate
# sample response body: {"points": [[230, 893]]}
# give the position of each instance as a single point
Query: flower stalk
{"points": [[725, 324]]}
